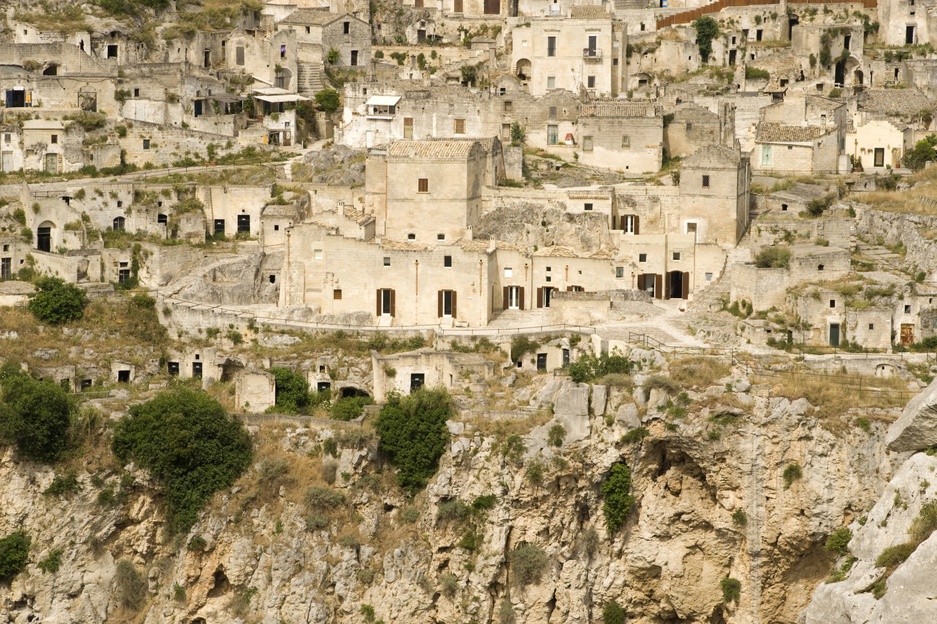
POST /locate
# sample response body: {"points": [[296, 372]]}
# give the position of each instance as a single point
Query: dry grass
{"points": [[919, 200], [698, 372], [503, 428], [835, 395]]}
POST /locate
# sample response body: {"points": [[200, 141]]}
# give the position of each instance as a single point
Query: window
{"points": [[709, 277], [587, 144], [705, 181], [120, 204], [346, 28], [832, 303], [239, 55], [907, 309], [549, 269], [551, 82], [446, 303], [587, 207], [642, 257], [590, 82], [244, 224], [552, 113], [146, 144], [112, 51], [272, 278], [385, 302], [879, 156], [316, 254], [691, 228], [55, 139], [508, 272], [619, 272], [423, 185], [447, 261], [508, 107], [551, 135], [282, 51], [871, 326], [551, 46], [7, 137], [337, 294], [386, 260], [123, 275], [629, 224], [549, 279], [819, 267], [457, 6], [460, 126], [276, 228], [625, 140], [440, 237], [676, 255], [118, 224]]}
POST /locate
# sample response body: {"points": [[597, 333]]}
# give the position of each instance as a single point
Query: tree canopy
{"points": [[56, 302], [413, 434], [618, 498], [35, 415], [923, 151], [328, 100], [187, 441], [14, 553], [706, 30]]}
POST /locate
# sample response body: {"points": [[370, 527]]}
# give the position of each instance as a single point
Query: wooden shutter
{"points": [[540, 297], [658, 286], [453, 304], [637, 225], [378, 313], [505, 301], [667, 283], [439, 303], [520, 298], [393, 303], [686, 285], [640, 284]]}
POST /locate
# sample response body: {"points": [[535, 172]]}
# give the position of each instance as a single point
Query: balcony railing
{"points": [[590, 54]]}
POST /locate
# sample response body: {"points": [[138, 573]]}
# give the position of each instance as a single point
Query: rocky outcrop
{"points": [[916, 429]]}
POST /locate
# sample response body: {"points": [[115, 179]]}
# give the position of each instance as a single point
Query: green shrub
{"points": [[522, 345], [731, 590], [707, 29], [773, 258], [635, 435], [35, 415], [197, 544], [923, 151], [449, 584], [506, 613], [618, 499], [189, 444], [452, 510], [838, 541], [792, 473], [56, 302], [292, 391], [413, 434], [52, 563], [754, 73], [613, 613], [588, 367], [894, 556], [513, 449], [328, 99], [131, 586], [534, 473], [925, 523], [350, 408], [739, 518], [528, 563], [556, 435], [324, 499], [63, 484], [14, 553]]}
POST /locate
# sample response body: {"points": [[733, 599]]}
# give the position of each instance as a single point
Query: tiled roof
{"points": [[588, 11], [557, 252], [894, 101], [309, 17], [779, 133], [445, 148], [393, 245], [357, 216], [619, 109]]}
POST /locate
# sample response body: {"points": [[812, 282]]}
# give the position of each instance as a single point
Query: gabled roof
{"points": [[905, 102], [619, 109], [436, 148], [769, 132], [588, 11]]}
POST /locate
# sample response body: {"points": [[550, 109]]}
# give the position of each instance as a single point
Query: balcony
{"points": [[592, 54]]}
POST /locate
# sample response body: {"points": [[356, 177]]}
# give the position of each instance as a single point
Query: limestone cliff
{"points": [[712, 502]]}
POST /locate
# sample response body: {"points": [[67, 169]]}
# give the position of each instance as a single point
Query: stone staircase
{"points": [[309, 79], [884, 258]]}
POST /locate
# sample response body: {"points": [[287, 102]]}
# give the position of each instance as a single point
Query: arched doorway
{"points": [[44, 236], [524, 69]]}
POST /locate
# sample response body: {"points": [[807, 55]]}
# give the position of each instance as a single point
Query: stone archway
{"points": [[524, 69]]}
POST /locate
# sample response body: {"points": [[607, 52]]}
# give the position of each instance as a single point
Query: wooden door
{"points": [[907, 334]]}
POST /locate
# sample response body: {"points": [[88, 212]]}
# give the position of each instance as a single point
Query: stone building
{"points": [[803, 135], [624, 136], [583, 52], [689, 127]]}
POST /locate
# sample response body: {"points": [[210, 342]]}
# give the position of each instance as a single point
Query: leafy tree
{"points": [[413, 434], [188, 443], [56, 302], [773, 258], [517, 134], [706, 30], [14, 553], [923, 151], [35, 415], [292, 393], [613, 613], [350, 408], [328, 100], [618, 499]]}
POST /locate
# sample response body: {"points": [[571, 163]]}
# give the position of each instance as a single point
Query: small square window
{"points": [[337, 293], [508, 107], [907, 309], [411, 236], [508, 272], [619, 271], [55, 139], [120, 204], [676, 255], [820, 267], [386, 260], [423, 185], [447, 261], [549, 269], [549, 279], [871, 326], [146, 144], [440, 237], [625, 140], [317, 254], [276, 228], [460, 126], [136, 93], [587, 144], [590, 82], [709, 277], [832, 303], [705, 181], [642, 257], [552, 112], [587, 207]]}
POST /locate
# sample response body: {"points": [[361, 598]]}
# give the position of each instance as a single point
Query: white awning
{"points": [[383, 100], [273, 99]]}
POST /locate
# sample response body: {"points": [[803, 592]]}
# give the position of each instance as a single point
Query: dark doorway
{"points": [[244, 224], [351, 391], [909, 35], [219, 227], [792, 20], [732, 55], [197, 370], [6, 268], [198, 108], [172, 368], [541, 361], [207, 58], [565, 358], [44, 239], [834, 334], [678, 284], [123, 376], [16, 98], [112, 50], [416, 381], [839, 75], [324, 386], [492, 7], [85, 384]]}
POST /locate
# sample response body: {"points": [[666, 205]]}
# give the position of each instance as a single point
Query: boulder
{"points": [[916, 429]]}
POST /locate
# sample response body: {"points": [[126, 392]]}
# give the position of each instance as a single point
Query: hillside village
{"points": [[474, 195]]}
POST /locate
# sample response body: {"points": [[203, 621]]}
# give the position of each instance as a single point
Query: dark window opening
{"points": [[112, 51], [123, 376], [172, 368], [541, 361], [447, 261], [197, 370], [244, 224], [705, 181], [417, 380]]}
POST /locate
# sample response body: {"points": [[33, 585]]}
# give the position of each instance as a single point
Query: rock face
{"points": [[711, 503], [916, 429], [910, 588]]}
